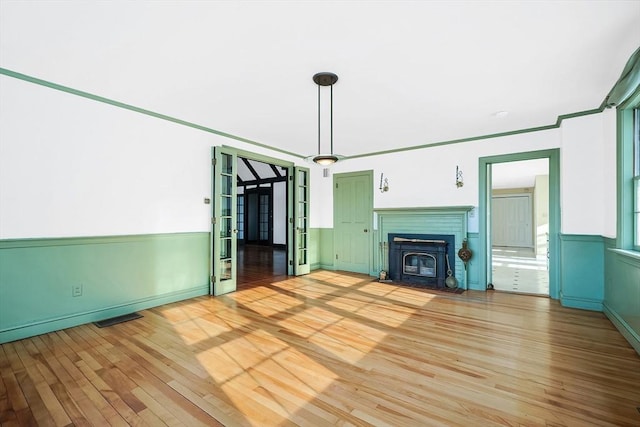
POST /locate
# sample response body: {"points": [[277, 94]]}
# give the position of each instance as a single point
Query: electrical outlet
{"points": [[76, 290]]}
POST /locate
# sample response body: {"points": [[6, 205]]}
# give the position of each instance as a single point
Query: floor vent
{"points": [[116, 320]]}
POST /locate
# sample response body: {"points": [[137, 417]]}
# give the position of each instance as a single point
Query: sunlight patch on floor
{"points": [[406, 296], [258, 360], [374, 289], [196, 330], [263, 306]]}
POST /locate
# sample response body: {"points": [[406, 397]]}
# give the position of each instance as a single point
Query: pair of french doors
{"points": [[224, 235]]}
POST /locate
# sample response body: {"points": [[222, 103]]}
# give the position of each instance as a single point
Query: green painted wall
{"points": [[326, 249], [118, 274], [582, 271], [473, 273], [314, 248], [321, 241], [622, 291]]}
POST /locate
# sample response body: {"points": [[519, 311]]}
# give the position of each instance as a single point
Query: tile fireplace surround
{"points": [[436, 221]]}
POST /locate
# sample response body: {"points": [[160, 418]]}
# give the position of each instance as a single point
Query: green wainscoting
{"points": [[622, 291], [117, 275], [582, 271], [314, 248], [327, 257], [321, 239], [473, 272]]}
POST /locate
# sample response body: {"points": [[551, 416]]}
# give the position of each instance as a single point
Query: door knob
{"points": [[365, 230]]}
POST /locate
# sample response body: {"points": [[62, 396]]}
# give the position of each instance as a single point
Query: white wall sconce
{"points": [[384, 184], [459, 179]]}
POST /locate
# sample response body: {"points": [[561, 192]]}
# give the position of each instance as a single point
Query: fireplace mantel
{"points": [[419, 210]]}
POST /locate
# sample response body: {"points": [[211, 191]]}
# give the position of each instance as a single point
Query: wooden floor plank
{"points": [[330, 348]]}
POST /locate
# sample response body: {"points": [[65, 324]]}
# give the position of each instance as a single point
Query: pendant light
{"points": [[325, 79]]}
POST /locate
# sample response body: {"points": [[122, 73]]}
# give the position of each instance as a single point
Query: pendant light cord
{"points": [[332, 120], [331, 86]]}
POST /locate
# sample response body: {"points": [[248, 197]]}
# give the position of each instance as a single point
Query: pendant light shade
{"points": [[325, 159], [325, 79]]}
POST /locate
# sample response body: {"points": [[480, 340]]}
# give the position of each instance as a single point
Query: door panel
{"points": [[352, 221], [512, 218], [224, 219]]}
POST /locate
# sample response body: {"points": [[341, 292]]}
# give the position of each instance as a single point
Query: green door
{"points": [[224, 236], [301, 221], [352, 220]]}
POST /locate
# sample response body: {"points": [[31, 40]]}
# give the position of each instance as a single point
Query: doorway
{"points": [[261, 221], [260, 213], [543, 253], [520, 226]]}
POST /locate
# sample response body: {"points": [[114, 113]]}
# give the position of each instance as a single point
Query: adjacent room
{"points": [[274, 213]]}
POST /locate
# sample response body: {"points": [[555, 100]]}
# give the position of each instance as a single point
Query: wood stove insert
{"points": [[421, 259]]}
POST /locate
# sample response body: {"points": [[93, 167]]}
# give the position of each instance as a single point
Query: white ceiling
{"points": [[520, 174], [410, 72]]}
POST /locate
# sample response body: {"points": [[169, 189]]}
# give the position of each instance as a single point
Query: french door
{"points": [[224, 237], [301, 262]]}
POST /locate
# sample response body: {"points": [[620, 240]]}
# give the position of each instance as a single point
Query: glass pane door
{"points": [[301, 221], [224, 235]]}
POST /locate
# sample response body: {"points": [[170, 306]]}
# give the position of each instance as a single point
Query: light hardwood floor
{"points": [[330, 348]]}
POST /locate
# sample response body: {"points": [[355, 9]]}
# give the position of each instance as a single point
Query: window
{"points": [[240, 216], [628, 166], [636, 177]]}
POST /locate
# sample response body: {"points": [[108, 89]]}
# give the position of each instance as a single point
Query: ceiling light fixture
{"points": [[325, 79]]}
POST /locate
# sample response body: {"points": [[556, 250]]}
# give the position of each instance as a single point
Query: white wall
{"points": [[426, 177], [280, 213], [582, 175], [71, 166]]}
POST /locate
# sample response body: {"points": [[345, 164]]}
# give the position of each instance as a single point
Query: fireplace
{"points": [[421, 259]]}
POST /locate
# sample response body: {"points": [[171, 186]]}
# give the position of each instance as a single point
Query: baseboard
{"points": [[623, 327], [50, 325], [581, 303]]}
